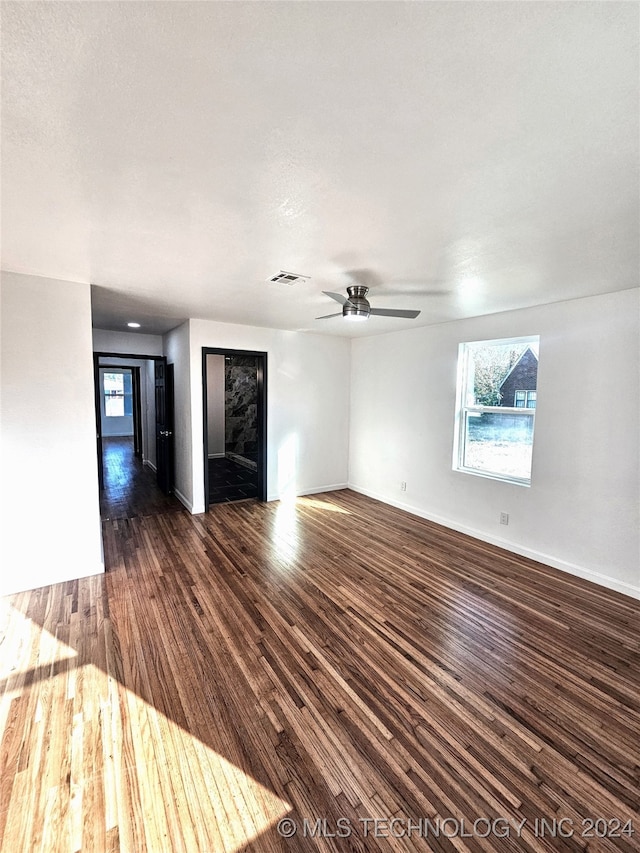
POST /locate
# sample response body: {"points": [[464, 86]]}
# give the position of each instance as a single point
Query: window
{"points": [[118, 394], [496, 405], [525, 399]]}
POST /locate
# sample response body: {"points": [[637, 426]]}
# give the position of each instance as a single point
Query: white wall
{"points": [[581, 512], [50, 515], [307, 406], [128, 343], [215, 404]]}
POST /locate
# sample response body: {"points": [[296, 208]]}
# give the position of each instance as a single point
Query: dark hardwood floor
{"points": [[331, 660], [130, 488]]}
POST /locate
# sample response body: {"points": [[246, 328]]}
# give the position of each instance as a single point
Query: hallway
{"points": [[130, 488]]}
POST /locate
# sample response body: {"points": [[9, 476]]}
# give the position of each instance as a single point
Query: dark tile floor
{"points": [[130, 488], [229, 481]]}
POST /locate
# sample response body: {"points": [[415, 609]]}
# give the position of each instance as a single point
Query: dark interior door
{"points": [[137, 411], [164, 424]]}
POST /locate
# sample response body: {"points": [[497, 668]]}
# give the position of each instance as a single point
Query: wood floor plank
{"points": [[330, 659]]}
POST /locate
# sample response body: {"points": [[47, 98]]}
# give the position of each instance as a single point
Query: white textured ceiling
{"points": [[461, 158]]}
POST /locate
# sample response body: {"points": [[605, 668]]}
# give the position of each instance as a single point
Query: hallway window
{"points": [[118, 394]]}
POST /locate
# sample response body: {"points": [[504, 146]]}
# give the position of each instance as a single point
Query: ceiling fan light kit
{"points": [[357, 306]]}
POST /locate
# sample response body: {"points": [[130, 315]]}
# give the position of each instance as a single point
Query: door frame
{"points": [[136, 394], [261, 359], [97, 355]]}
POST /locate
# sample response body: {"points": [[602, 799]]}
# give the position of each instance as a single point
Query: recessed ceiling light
{"points": [[133, 325]]}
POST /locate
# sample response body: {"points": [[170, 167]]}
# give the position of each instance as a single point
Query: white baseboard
{"points": [[186, 503], [150, 464], [217, 455], [540, 557], [316, 490]]}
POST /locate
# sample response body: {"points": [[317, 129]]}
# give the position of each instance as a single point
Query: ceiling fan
{"points": [[357, 307]]}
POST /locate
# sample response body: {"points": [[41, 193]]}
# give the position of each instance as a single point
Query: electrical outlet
{"points": [[504, 518], [403, 486]]}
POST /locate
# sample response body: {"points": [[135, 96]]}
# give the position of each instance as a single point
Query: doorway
{"points": [[134, 431], [235, 427], [121, 393]]}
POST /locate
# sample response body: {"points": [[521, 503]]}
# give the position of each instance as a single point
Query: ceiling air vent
{"points": [[284, 277]]}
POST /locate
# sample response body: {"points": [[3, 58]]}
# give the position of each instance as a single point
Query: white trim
{"points": [[217, 455], [489, 475], [526, 340], [150, 464], [501, 410], [184, 501], [316, 490], [532, 554]]}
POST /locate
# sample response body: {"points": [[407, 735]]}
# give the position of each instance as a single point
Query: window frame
{"points": [[125, 396], [463, 408]]}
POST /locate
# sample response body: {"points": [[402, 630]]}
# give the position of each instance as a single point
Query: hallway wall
{"points": [[48, 434], [127, 342]]}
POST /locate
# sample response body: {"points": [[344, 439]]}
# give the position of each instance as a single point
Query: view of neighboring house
{"points": [[519, 387]]}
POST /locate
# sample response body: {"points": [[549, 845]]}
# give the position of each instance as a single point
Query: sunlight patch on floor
{"points": [[311, 503], [25, 649], [91, 765], [285, 531], [192, 791]]}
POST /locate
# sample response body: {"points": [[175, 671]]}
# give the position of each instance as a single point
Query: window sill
{"points": [[488, 475]]}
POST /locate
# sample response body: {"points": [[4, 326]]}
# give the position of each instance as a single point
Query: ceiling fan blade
{"points": [[394, 312], [326, 316], [337, 296]]}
